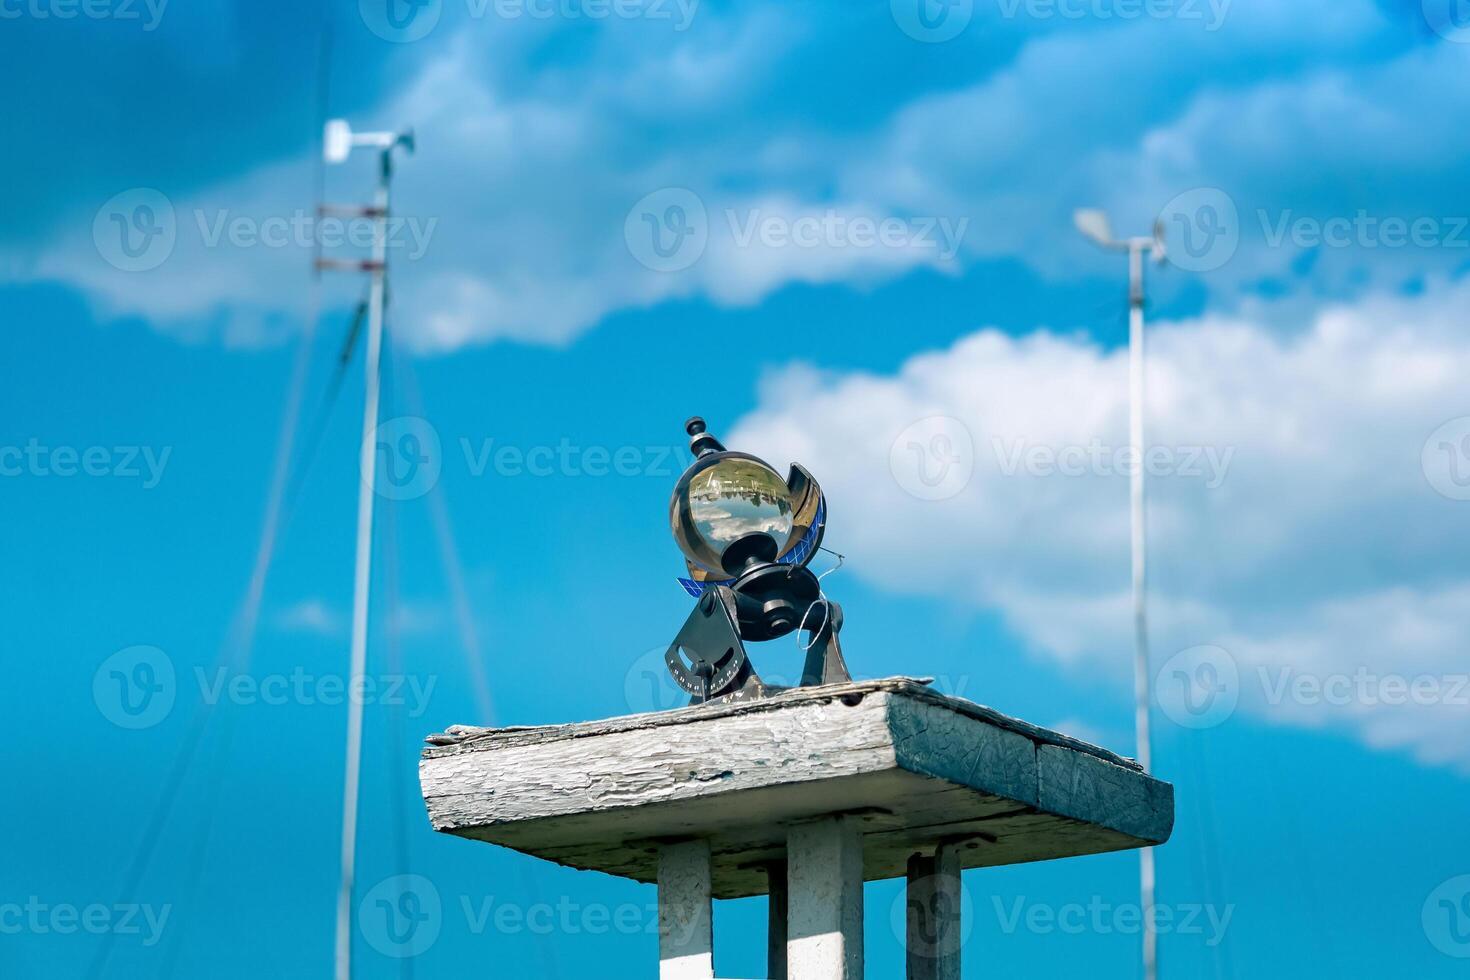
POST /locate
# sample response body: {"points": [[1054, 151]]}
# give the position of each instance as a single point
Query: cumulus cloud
{"points": [[1285, 172], [1299, 508], [650, 165]]}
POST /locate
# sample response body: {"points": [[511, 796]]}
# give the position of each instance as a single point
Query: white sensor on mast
{"points": [[338, 139], [1095, 225]]}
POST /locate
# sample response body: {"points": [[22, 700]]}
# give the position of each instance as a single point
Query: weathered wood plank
{"points": [[635, 768], [936, 740], [1099, 793], [911, 766], [469, 738]]}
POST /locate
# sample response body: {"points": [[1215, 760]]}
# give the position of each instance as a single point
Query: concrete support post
{"points": [[685, 930], [934, 915], [824, 918], [776, 921]]}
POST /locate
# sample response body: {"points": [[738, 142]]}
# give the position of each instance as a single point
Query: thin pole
{"points": [[1136, 249], [363, 581]]}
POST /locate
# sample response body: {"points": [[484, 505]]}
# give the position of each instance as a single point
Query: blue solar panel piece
{"points": [[694, 588], [803, 549], [796, 556]]}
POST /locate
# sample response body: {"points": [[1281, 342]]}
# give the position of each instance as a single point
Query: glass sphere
{"points": [[725, 497]]}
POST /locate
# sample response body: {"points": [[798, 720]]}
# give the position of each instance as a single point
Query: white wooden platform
{"points": [[815, 789]]}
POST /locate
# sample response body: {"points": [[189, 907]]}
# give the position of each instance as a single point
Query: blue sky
{"points": [[839, 232]]}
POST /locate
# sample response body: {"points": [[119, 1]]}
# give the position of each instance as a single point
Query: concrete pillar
{"points": [[933, 948], [685, 931], [776, 921], [824, 917]]}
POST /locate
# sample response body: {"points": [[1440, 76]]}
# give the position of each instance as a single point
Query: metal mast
{"points": [[338, 144], [1094, 224]]}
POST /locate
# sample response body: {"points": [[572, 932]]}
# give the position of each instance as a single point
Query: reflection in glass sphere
{"points": [[725, 497], [736, 497]]}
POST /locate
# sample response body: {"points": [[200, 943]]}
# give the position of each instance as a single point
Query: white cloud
{"points": [[1292, 123], [1077, 728], [526, 171], [407, 618], [312, 616], [1292, 519], [514, 206]]}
